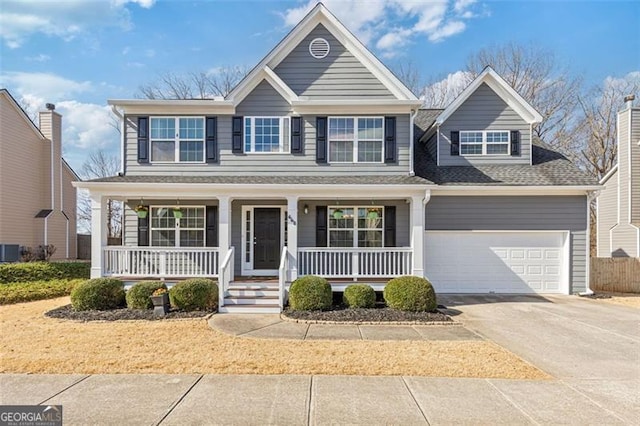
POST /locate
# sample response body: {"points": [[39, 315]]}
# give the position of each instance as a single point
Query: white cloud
{"points": [[38, 58], [628, 82], [65, 19], [441, 93], [46, 86], [86, 126], [394, 24]]}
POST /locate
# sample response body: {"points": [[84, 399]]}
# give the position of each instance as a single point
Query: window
{"points": [[356, 226], [348, 144], [169, 231], [185, 145], [484, 143], [266, 134]]}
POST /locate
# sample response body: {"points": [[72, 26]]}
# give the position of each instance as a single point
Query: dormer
{"points": [[488, 123]]}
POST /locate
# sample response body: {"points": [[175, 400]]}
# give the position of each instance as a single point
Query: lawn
{"points": [[32, 343]]}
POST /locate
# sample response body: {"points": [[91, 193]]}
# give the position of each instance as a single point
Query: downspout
{"points": [[122, 129], [412, 117], [590, 196]]}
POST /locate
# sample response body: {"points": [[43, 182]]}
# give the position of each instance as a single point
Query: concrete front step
{"points": [[243, 292], [251, 300], [250, 309]]}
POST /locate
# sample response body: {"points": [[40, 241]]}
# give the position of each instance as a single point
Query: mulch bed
{"points": [[378, 314], [67, 312], [596, 296]]}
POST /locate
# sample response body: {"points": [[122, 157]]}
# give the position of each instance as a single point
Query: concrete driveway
{"points": [[591, 346]]}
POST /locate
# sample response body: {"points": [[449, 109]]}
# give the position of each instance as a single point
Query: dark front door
{"points": [[266, 238]]}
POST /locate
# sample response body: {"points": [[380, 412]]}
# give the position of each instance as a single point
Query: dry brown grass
{"points": [[35, 344], [631, 300]]}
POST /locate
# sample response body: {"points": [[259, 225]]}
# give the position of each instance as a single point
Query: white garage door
{"points": [[500, 262]]}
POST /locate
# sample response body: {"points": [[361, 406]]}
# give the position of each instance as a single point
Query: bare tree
{"points": [[411, 76], [194, 85], [440, 92], [100, 164]]}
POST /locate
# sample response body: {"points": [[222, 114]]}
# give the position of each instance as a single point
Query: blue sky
{"points": [[79, 53]]}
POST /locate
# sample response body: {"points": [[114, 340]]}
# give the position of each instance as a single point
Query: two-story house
{"points": [[37, 198], [321, 162], [618, 205]]}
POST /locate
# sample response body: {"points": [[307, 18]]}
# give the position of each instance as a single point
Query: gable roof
{"points": [[321, 15], [502, 89], [22, 112]]}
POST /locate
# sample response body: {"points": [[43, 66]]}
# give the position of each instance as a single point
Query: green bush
{"points": [[138, 296], [43, 271], [194, 294], [359, 296], [99, 294], [310, 293], [35, 290], [410, 293]]}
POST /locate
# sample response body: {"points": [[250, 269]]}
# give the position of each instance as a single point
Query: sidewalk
{"points": [[315, 400], [272, 326]]}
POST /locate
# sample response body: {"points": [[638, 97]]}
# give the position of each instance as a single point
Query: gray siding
{"points": [[264, 100], [623, 164], [607, 215], [635, 166], [267, 164], [338, 75], [484, 110], [518, 213]]}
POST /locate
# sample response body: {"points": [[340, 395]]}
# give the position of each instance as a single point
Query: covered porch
{"points": [[345, 234]]}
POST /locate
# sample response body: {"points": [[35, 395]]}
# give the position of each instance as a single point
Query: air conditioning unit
{"points": [[9, 252]]}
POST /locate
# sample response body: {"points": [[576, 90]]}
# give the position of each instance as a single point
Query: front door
{"points": [[266, 238]]}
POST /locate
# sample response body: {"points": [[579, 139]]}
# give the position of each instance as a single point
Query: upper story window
{"points": [[266, 134], [490, 142], [177, 139], [355, 139]]}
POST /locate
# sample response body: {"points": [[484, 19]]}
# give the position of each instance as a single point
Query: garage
{"points": [[497, 262]]}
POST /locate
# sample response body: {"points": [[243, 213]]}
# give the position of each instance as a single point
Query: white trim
{"points": [[320, 15], [176, 140], [246, 268], [484, 143], [587, 271], [502, 89], [629, 174], [565, 285], [173, 106], [355, 140], [412, 117], [53, 195], [326, 45], [530, 144], [438, 145]]}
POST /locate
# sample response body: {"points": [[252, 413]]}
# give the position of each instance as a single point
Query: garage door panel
{"points": [[507, 262]]}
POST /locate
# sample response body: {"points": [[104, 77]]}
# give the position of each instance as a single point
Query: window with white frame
{"points": [[356, 226], [169, 230], [177, 139], [266, 134], [356, 139], [490, 142]]}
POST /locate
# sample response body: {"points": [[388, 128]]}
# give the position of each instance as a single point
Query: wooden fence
{"points": [[616, 274]]}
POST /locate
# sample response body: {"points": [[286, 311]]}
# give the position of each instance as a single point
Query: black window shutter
{"points": [[143, 139], [211, 142], [296, 135], [321, 140], [455, 142], [515, 142], [390, 226], [321, 226], [236, 135], [212, 226], [143, 229], [389, 139]]}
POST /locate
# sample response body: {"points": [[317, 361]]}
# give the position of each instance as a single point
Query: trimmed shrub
{"points": [[35, 290], [138, 296], [98, 294], [194, 294], [359, 296], [43, 271], [310, 293], [410, 293]]}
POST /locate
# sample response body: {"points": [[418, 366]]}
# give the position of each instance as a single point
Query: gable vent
{"points": [[319, 48]]}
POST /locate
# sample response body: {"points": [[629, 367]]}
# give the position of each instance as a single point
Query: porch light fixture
{"points": [[306, 209]]}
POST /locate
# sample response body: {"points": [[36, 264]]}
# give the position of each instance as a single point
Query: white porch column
{"points": [[224, 227], [292, 236], [98, 233], [417, 232]]}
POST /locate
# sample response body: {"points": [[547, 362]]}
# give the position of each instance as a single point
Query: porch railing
{"points": [[226, 276], [355, 262], [283, 273], [160, 261]]}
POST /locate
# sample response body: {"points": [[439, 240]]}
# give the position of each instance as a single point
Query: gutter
{"points": [[114, 109], [412, 117]]}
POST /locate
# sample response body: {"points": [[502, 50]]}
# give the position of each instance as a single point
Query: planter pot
{"points": [[142, 213], [160, 304]]}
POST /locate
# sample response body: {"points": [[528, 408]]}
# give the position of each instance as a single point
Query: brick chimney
{"points": [[51, 128]]}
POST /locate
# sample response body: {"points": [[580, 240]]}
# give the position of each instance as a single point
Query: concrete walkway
{"points": [[311, 400], [271, 326]]}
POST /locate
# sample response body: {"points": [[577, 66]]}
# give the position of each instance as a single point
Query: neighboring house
{"points": [[37, 198], [619, 201], [321, 162]]}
